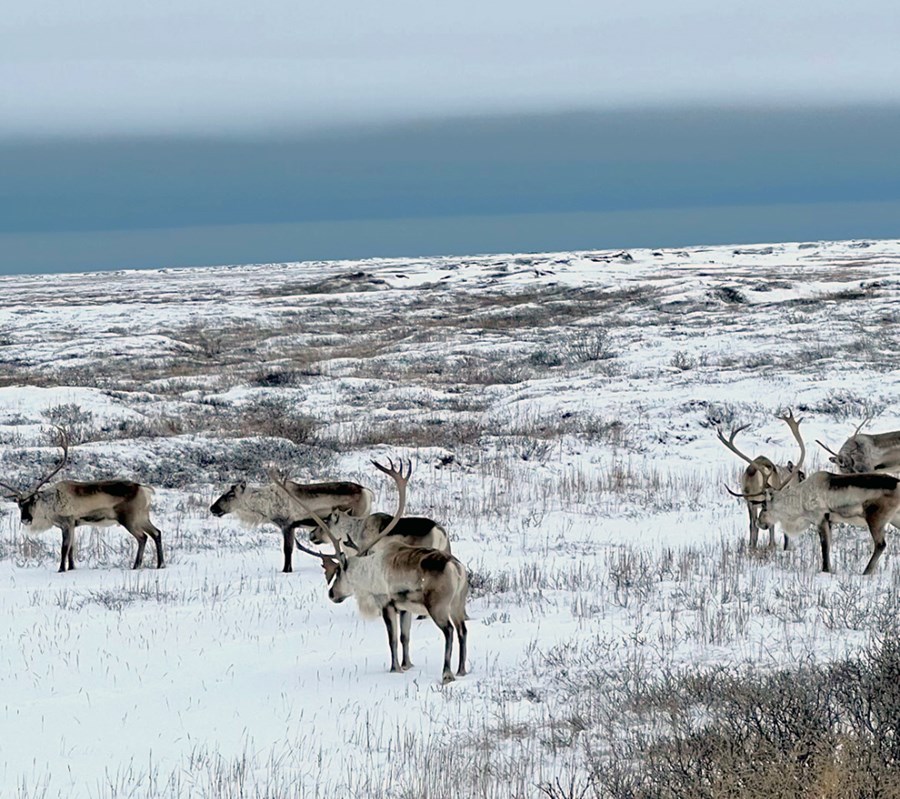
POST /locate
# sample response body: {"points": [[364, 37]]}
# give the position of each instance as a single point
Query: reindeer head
{"points": [[227, 502], [26, 500], [336, 521], [340, 566], [768, 497]]}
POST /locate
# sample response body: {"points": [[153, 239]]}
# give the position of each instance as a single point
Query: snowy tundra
{"points": [[560, 411]]}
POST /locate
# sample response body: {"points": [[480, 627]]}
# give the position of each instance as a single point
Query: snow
{"points": [[156, 683]]}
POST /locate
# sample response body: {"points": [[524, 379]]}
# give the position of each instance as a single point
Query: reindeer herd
{"points": [[865, 493], [396, 565]]}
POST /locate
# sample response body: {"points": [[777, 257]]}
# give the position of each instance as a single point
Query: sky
{"points": [[142, 134]]}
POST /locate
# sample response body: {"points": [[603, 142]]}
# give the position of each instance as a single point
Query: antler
{"points": [[862, 424], [278, 479], [308, 551], [730, 441], [15, 493], [401, 479], [64, 445], [794, 424], [743, 496], [826, 448]]}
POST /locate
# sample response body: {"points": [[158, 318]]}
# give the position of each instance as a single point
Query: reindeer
{"points": [[268, 505], [863, 452], [761, 473], [416, 531], [68, 504], [394, 579], [866, 500]]}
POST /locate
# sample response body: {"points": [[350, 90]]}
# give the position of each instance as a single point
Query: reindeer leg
{"points": [[141, 537], [66, 547], [876, 521], [447, 630], [825, 541], [288, 533], [156, 535], [72, 539], [389, 614], [405, 622], [754, 525], [461, 635]]}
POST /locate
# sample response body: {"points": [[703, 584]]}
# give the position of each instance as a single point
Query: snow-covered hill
{"points": [[560, 411]]}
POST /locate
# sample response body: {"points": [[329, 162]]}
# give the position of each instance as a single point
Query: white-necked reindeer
{"points": [[68, 504], [267, 504], [761, 473], [391, 578], [866, 500], [867, 452]]}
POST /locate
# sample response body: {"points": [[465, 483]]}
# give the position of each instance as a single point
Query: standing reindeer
{"points": [[269, 505], [864, 452], [866, 500], [761, 473], [416, 531], [394, 579], [68, 504]]}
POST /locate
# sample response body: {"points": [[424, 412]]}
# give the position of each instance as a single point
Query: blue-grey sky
{"points": [[184, 132], [231, 65]]}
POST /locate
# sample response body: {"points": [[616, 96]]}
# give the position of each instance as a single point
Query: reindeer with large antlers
{"points": [[68, 504], [761, 473], [866, 500], [391, 578], [867, 452]]}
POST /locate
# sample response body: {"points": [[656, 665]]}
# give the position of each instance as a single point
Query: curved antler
{"points": [[862, 424], [14, 492], [794, 424], [308, 551], [401, 479], [729, 442], [743, 496], [826, 448], [63, 443]]}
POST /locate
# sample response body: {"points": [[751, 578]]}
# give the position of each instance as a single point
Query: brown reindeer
{"points": [[761, 473], [416, 531], [390, 578], [867, 452], [69, 504], [866, 500], [268, 505]]}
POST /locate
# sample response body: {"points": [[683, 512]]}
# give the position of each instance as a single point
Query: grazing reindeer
{"points": [[863, 452], [268, 505], [416, 531], [867, 500], [68, 504], [761, 473], [389, 577]]}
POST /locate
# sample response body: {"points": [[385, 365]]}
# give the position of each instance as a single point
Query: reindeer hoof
{"points": [[448, 677]]}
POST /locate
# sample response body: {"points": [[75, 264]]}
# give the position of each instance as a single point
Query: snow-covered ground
{"points": [[560, 411]]}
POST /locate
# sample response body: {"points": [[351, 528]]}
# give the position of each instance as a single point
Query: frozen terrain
{"points": [[560, 411]]}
